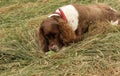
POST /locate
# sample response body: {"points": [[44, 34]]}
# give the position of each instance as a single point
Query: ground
{"points": [[97, 55]]}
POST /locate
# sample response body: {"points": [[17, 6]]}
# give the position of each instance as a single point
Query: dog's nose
{"points": [[54, 48]]}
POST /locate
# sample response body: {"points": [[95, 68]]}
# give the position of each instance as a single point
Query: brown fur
{"points": [[91, 14], [66, 34], [63, 34]]}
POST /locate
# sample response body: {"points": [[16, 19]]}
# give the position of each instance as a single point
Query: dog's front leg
{"points": [[79, 35]]}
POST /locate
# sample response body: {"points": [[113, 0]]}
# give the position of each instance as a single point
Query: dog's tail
{"points": [[117, 22]]}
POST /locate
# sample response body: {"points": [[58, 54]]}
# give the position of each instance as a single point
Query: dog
{"points": [[69, 23]]}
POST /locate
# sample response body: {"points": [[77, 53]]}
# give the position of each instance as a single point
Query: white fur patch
{"points": [[115, 22], [53, 15], [71, 14]]}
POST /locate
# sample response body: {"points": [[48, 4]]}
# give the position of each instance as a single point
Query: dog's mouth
{"points": [[54, 48]]}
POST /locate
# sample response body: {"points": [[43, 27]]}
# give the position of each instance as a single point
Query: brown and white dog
{"points": [[69, 23]]}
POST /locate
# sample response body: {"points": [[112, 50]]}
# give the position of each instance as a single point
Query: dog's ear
{"points": [[41, 40], [67, 34]]}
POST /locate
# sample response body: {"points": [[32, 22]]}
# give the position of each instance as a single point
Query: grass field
{"points": [[97, 55]]}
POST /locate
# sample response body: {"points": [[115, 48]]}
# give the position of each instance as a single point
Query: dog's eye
{"points": [[47, 36], [56, 35], [51, 35]]}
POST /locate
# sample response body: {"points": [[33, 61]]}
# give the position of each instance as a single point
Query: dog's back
{"points": [[97, 12]]}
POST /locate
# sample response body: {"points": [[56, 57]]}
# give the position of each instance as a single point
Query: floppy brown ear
{"points": [[66, 32], [41, 40]]}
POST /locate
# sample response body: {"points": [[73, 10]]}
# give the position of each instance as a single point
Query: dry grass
{"points": [[97, 55]]}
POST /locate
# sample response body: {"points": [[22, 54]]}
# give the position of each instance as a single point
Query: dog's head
{"points": [[54, 33]]}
